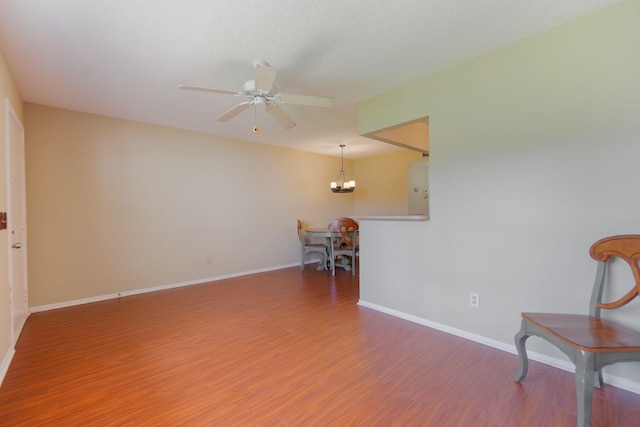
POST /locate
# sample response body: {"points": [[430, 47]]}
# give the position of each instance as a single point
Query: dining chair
{"points": [[343, 243], [307, 247], [590, 341]]}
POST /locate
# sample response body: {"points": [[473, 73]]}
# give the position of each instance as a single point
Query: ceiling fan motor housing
{"points": [[249, 86], [250, 89]]}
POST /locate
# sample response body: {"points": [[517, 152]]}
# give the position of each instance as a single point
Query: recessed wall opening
{"points": [[412, 135]]}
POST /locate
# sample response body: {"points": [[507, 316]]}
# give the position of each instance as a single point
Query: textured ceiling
{"points": [[126, 58]]}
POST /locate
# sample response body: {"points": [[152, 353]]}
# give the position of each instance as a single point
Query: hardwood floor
{"points": [[282, 348]]}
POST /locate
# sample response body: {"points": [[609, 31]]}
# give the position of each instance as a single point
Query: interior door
{"points": [[17, 222]]}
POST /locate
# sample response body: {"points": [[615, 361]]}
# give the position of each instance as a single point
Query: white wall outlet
{"points": [[474, 299]]}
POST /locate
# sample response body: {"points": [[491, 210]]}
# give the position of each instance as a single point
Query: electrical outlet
{"points": [[474, 300], [209, 260]]}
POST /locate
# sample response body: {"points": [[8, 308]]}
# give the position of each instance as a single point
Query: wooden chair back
{"points": [[627, 248], [343, 244], [346, 227], [301, 234]]}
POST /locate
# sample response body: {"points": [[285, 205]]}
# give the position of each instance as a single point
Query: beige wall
{"points": [[7, 91], [382, 183], [115, 206]]}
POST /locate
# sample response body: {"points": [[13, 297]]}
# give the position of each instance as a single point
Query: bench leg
{"points": [[599, 382], [585, 380], [521, 339]]}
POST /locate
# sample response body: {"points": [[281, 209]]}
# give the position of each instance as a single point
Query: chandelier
{"points": [[341, 184]]}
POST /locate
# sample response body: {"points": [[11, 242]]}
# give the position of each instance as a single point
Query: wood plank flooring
{"points": [[282, 348]]}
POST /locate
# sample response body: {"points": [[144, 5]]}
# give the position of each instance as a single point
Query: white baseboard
{"points": [[8, 357], [151, 289], [565, 365], [6, 362]]}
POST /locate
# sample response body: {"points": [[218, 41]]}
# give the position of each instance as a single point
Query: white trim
{"points": [[565, 365], [4, 368], [152, 289], [11, 351]]}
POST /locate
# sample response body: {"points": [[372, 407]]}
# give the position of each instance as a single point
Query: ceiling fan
{"points": [[263, 92]]}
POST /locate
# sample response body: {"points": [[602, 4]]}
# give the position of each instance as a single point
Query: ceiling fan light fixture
{"points": [[342, 184], [263, 91]]}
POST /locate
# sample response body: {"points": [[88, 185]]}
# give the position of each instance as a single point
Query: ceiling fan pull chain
{"points": [[256, 129]]}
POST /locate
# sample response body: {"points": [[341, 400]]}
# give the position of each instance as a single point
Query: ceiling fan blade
{"points": [[312, 101], [265, 77], [208, 89], [234, 111], [280, 116]]}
